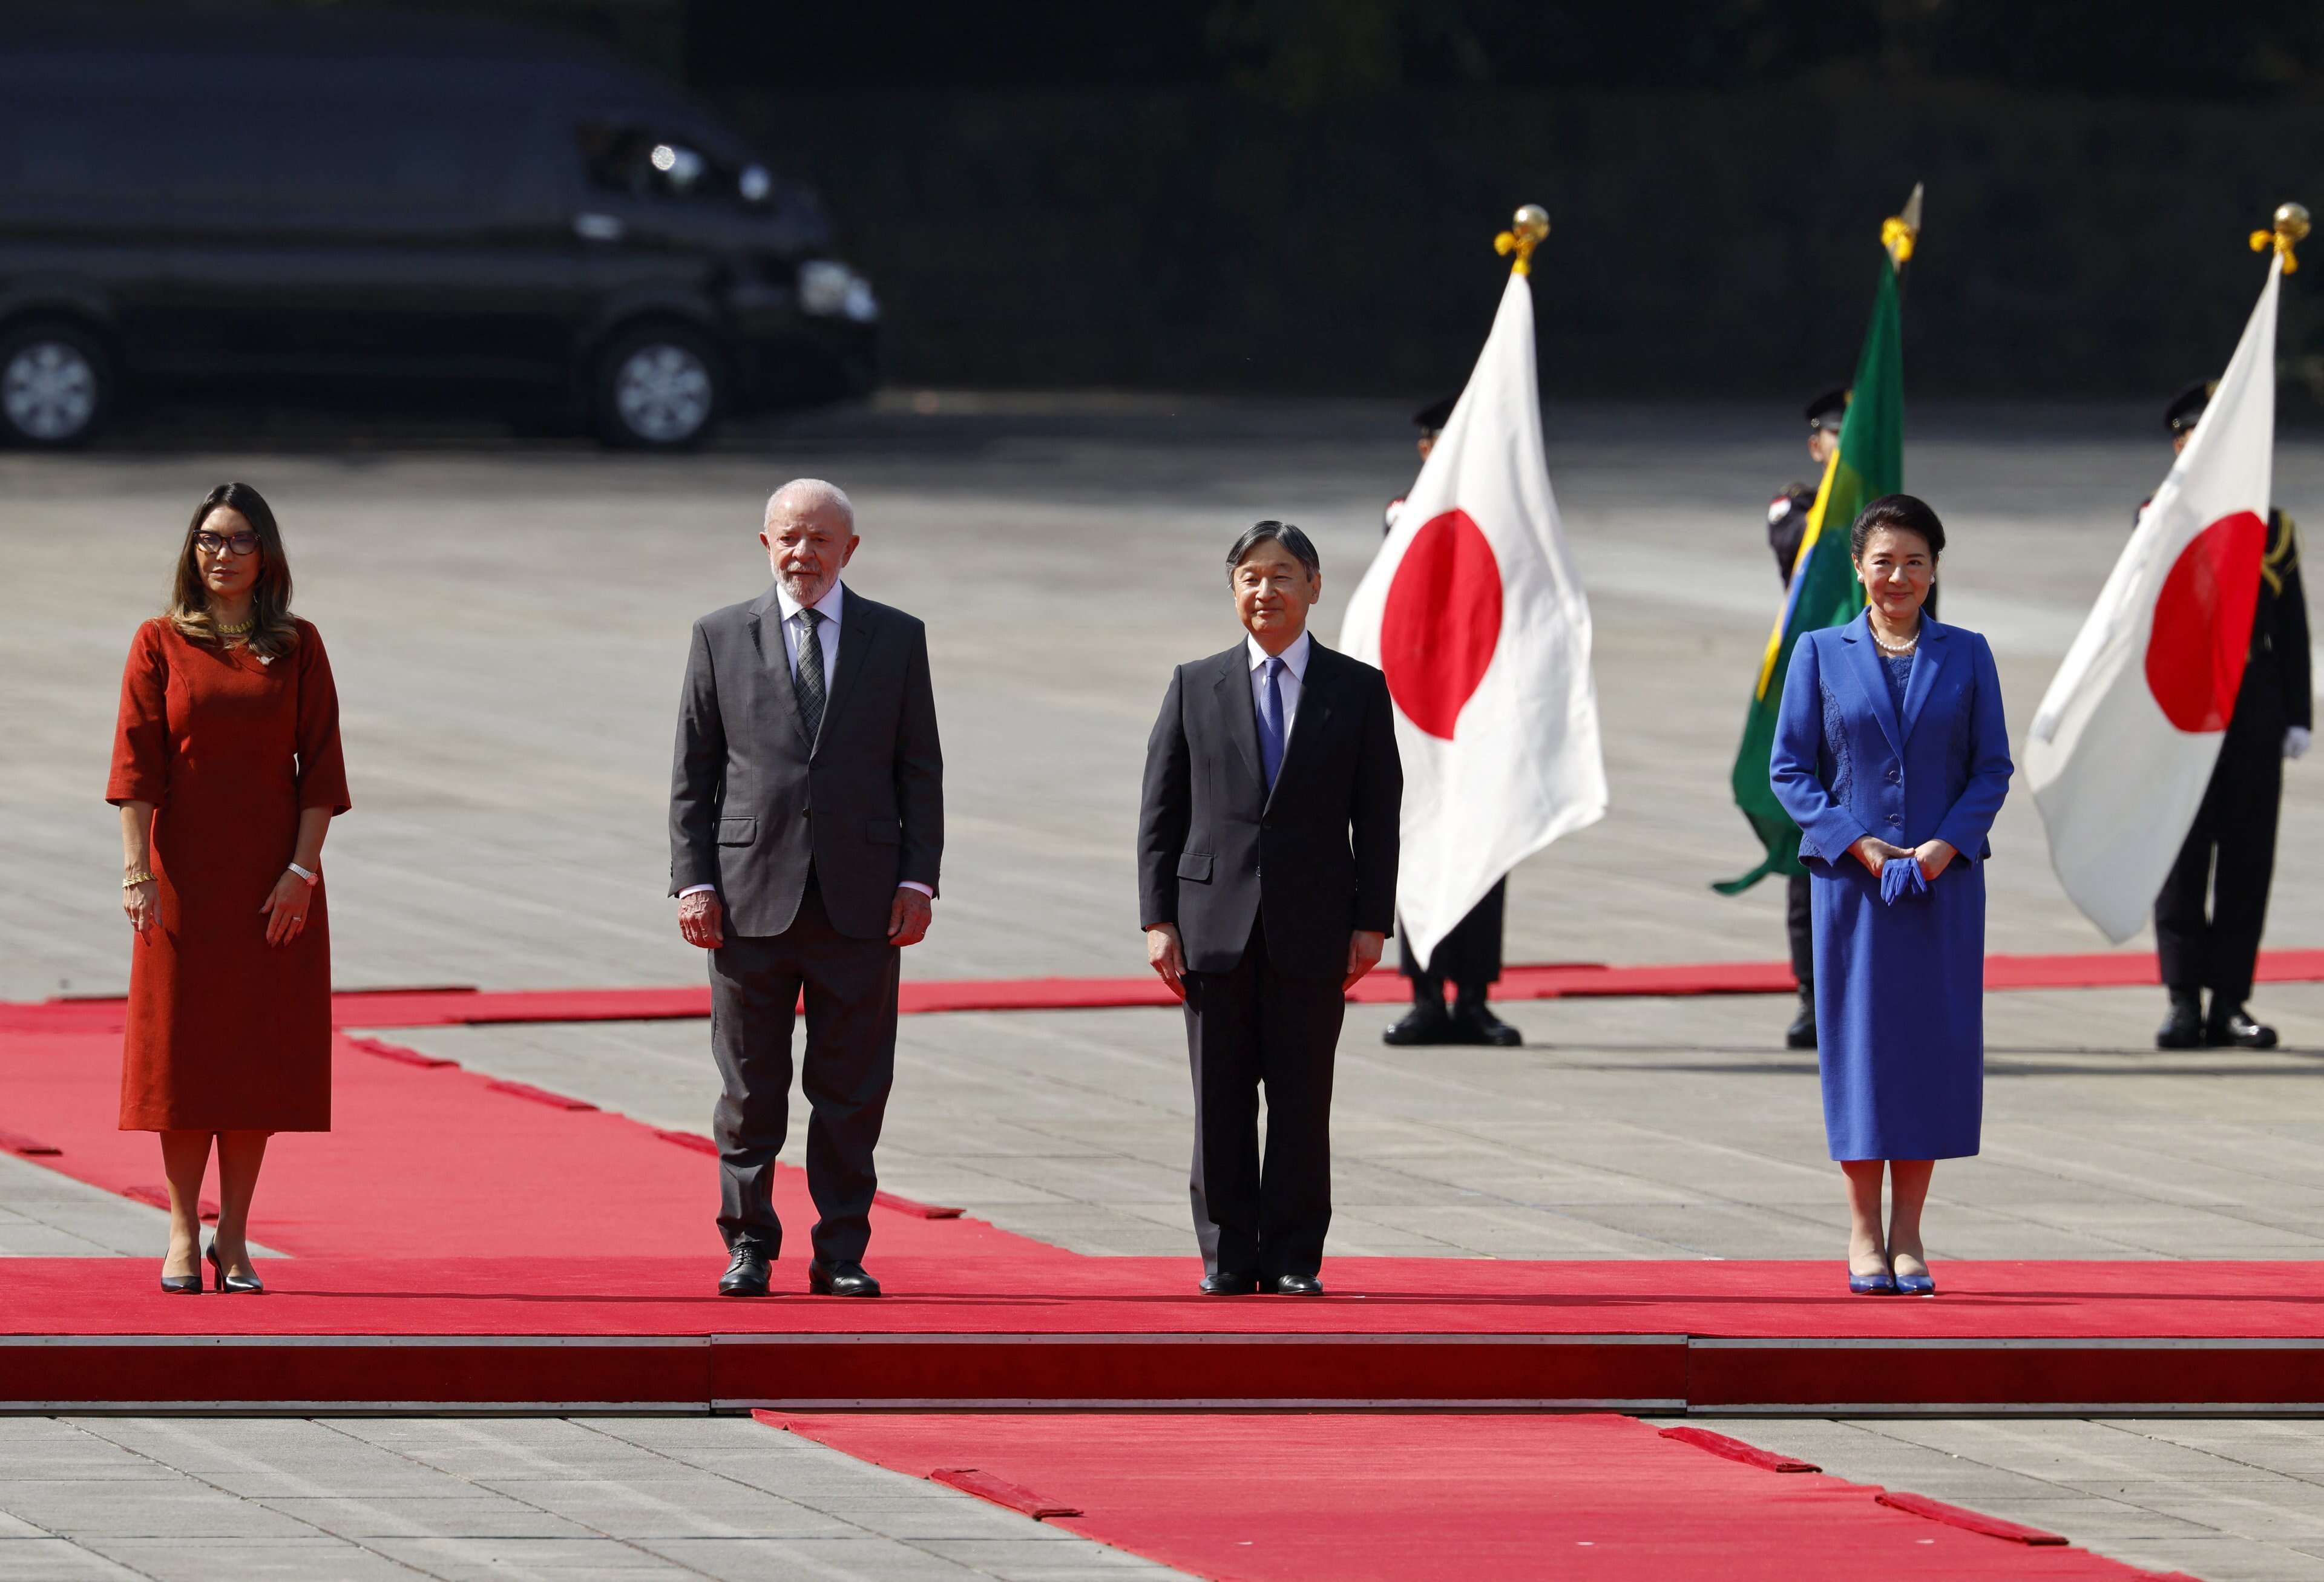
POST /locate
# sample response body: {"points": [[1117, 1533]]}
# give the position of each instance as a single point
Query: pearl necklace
{"points": [[1896, 652]]}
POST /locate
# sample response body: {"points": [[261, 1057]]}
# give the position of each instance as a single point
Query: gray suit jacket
{"points": [[753, 803]]}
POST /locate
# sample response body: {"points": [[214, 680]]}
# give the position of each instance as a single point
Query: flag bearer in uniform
{"points": [[1469, 957], [2230, 856], [1787, 525], [1476, 616]]}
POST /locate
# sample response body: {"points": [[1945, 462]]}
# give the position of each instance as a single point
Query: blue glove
{"points": [[1901, 876]]}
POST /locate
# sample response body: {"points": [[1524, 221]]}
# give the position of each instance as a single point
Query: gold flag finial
{"points": [[1899, 231], [1527, 228], [2289, 231]]}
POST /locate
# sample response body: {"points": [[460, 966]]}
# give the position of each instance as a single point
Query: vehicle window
{"points": [[639, 161], [268, 156], [301, 155], [72, 150]]}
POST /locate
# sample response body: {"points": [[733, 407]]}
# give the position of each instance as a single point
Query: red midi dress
{"points": [[226, 1033]]}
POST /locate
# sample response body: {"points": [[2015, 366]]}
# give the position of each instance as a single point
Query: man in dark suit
{"points": [[2228, 859], [1267, 849], [806, 825]]}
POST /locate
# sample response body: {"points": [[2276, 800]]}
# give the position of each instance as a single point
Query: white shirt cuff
{"points": [[901, 885]]}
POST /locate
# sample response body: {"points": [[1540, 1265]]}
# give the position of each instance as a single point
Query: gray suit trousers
{"points": [[755, 984]]}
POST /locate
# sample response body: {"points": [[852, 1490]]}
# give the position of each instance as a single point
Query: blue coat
{"points": [[1900, 990]]}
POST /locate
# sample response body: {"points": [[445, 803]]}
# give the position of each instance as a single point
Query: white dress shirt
{"points": [[827, 631], [827, 634], [1294, 671]]}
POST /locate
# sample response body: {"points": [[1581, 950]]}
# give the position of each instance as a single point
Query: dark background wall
{"points": [[1703, 243]]}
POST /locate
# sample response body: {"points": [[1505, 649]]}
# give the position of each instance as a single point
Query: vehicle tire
{"points": [[56, 384], [659, 387]]}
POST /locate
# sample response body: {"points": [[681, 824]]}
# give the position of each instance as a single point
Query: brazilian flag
{"points": [[1868, 463]]}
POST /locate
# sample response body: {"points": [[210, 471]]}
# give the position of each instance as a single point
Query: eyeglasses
{"points": [[240, 543]]}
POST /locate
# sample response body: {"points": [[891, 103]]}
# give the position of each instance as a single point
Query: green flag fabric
{"points": [[1868, 463]]}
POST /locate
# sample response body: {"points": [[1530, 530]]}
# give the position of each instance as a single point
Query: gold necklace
{"points": [[249, 625]]}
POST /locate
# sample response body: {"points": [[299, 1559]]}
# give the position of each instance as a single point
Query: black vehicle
{"points": [[435, 205]]}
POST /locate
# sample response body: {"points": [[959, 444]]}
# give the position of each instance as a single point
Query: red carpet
{"points": [[1047, 1327], [457, 1006], [991, 1283], [458, 1240], [1412, 1497], [427, 1160]]}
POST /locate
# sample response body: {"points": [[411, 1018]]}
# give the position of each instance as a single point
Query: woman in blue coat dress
{"points": [[1892, 755]]}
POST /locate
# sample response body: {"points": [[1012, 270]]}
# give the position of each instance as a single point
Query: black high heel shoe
{"points": [[185, 1284], [233, 1284]]}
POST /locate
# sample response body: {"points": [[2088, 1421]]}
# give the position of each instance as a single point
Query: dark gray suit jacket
{"points": [[753, 801], [1316, 859]]}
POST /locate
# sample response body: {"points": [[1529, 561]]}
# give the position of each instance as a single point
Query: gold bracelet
{"points": [[134, 880]]}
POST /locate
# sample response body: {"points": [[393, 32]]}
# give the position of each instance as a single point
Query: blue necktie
{"points": [[1270, 723]]}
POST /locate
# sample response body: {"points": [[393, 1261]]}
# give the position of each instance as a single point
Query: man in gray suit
{"points": [[806, 824]]}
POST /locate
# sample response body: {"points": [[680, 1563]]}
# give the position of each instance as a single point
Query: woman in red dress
{"points": [[227, 773]]}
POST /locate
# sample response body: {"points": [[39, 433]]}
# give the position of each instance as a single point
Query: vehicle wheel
{"points": [[659, 387], [55, 385]]}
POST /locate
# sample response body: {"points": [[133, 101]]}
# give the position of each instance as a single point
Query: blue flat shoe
{"points": [[1916, 1285], [1881, 1285]]}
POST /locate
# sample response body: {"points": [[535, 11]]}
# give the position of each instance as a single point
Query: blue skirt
{"points": [[1900, 1013]]}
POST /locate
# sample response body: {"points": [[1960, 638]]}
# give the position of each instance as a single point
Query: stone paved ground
{"points": [[2232, 1501], [352, 1499], [1665, 1128], [507, 626]]}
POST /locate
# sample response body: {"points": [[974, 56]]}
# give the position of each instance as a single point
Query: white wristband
{"points": [[312, 879]]}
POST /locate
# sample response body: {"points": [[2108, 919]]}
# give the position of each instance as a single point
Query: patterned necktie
{"points": [[1270, 723], [806, 681]]}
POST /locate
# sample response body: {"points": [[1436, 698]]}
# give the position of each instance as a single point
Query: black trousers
{"points": [[2228, 860], [1800, 927], [1248, 1028], [849, 1066], [1468, 958]]}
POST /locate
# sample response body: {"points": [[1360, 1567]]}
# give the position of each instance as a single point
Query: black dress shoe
{"points": [[1425, 1022], [1230, 1282], [1297, 1285], [251, 1284], [2234, 1030], [2183, 1027], [746, 1274], [840, 1280], [1802, 1032], [1476, 1018]]}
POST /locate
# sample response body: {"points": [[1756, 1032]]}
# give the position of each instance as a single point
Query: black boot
{"points": [[2230, 1028], [1426, 1022], [2183, 1027], [1802, 1032], [1472, 1017]]}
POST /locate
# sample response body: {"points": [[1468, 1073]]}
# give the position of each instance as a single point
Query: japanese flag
{"points": [[1474, 613], [2127, 737]]}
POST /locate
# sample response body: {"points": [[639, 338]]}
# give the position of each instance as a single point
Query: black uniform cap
{"points": [[2186, 409], [1435, 414], [1827, 410]]}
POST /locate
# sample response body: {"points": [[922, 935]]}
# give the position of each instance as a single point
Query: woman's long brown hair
{"points": [[269, 598]]}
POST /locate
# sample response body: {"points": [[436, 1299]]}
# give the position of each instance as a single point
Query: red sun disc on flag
{"points": [[1442, 622], [2202, 623]]}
